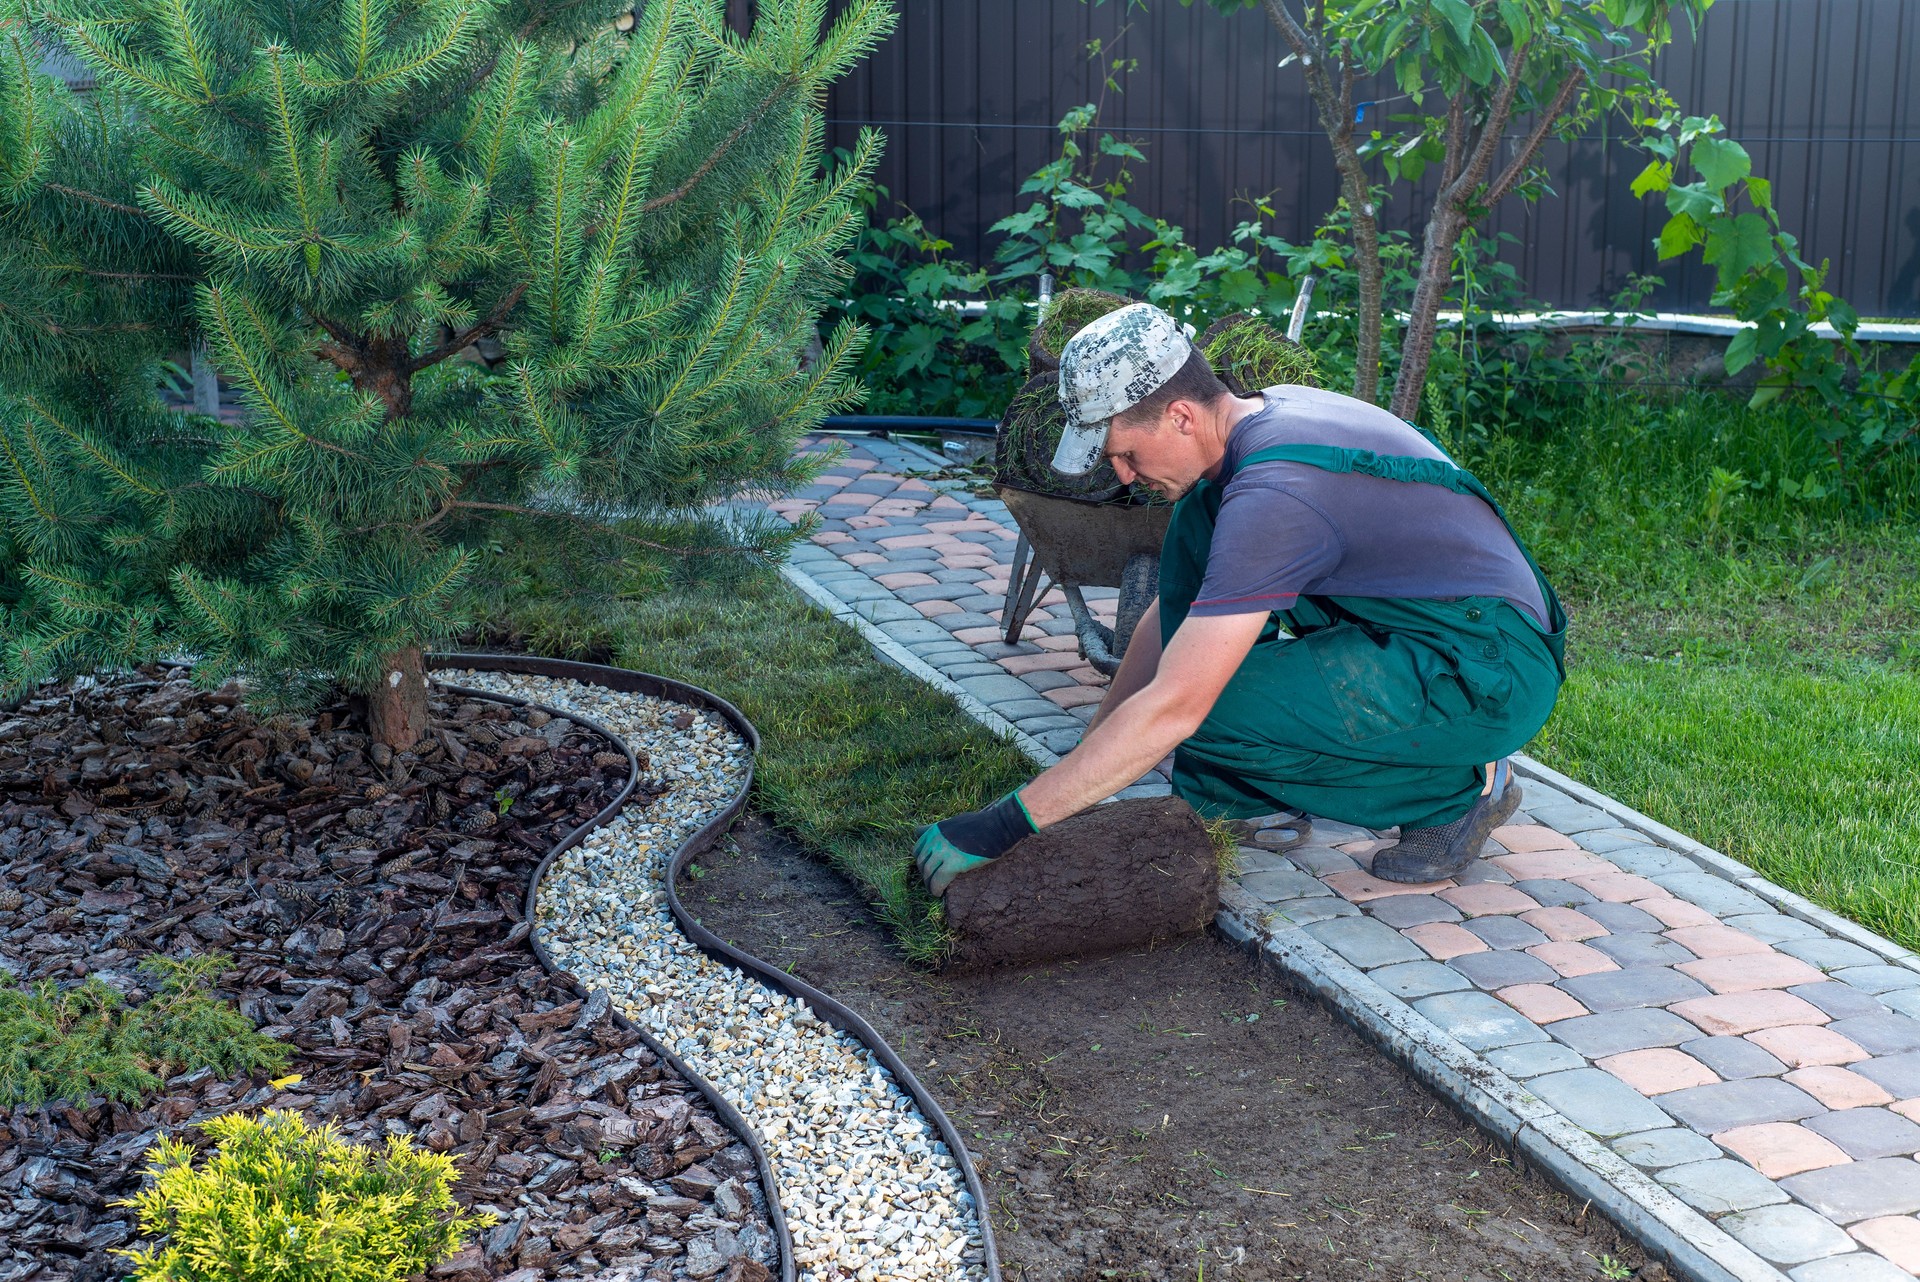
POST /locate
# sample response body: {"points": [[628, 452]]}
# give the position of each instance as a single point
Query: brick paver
{"points": [[1764, 1069]]}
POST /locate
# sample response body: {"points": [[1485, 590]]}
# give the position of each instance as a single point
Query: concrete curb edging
{"points": [[1722, 866], [1573, 1159]]}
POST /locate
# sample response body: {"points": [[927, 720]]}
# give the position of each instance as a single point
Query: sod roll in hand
{"points": [[1116, 876]]}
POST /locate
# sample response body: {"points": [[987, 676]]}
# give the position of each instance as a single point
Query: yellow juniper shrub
{"points": [[280, 1201]]}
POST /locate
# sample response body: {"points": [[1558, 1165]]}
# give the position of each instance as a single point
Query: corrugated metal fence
{"points": [[1823, 92]]}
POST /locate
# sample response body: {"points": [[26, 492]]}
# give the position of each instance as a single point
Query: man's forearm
{"points": [[1118, 749], [1137, 667]]}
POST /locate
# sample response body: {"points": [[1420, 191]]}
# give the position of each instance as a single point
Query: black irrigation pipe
{"points": [[882, 424], [825, 1007]]}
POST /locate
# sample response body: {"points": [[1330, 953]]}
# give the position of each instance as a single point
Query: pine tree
{"points": [[341, 198]]}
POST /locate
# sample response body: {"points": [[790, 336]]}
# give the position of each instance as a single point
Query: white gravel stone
{"points": [[869, 1188]]}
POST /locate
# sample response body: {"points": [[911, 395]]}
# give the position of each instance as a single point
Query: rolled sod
{"points": [[1112, 877]]}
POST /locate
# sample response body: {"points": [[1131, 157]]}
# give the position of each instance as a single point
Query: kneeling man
{"points": [[1347, 625]]}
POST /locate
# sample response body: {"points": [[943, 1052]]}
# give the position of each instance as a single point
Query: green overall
{"points": [[1377, 711]]}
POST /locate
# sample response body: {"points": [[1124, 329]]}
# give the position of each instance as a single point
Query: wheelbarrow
{"points": [[1079, 544]]}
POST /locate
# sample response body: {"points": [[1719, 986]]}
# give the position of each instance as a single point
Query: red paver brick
{"points": [[960, 527], [931, 608], [1803, 1047], [867, 522], [1487, 898], [1068, 642], [1895, 1236], [976, 636], [832, 536], [915, 485], [1541, 1003], [954, 561], [857, 500], [1749, 972], [828, 478], [947, 501], [1528, 838], [1054, 596], [1367, 847], [863, 558], [1839, 1087], [1562, 864], [896, 507], [1617, 887], [1088, 676], [1075, 696], [1361, 886], [1716, 941], [1676, 912], [1907, 1108], [1443, 939], [910, 541], [1054, 661], [1570, 958], [905, 579], [1732, 1014], [1563, 923], [1780, 1149], [1655, 1072]]}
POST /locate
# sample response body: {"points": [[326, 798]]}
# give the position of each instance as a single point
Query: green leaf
{"points": [[1695, 201], [1679, 235], [1721, 161], [1738, 245], [1459, 16], [1657, 176], [1740, 351], [1760, 192]]}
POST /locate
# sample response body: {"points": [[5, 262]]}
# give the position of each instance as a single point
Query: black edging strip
{"points": [[736, 1122], [826, 1007]]}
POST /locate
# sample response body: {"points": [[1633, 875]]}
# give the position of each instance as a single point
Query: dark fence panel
{"points": [[1821, 91]]}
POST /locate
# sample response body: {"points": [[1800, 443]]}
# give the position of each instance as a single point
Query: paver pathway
{"points": [[1757, 1058]]}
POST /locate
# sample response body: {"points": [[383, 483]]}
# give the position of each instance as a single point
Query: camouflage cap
{"points": [[1111, 365]]}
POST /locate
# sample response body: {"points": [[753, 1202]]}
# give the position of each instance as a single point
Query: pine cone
{"points": [[10, 900], [476, 819], [359, 819], [375, 791], [605, 760]]}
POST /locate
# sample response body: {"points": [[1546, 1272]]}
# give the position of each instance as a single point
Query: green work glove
{"points": [[952, 846]]}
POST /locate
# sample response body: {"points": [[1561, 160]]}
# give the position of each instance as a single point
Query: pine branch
{"points": [[719, 153], [473, 333], [102, 201]]}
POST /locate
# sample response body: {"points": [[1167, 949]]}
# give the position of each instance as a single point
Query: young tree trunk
{"points": [[1372, 301], [1444, 230], [397, 707]]}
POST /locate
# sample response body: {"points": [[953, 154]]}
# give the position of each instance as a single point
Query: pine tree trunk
{"points": [[1444, 229], [397, 707]]}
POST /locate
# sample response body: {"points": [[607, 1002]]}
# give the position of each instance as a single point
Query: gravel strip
{"points": [[869, 1189]]}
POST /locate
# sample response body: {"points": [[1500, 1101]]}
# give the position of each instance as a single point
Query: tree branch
{"points": [[751, 119], [1491, 131], [1561, 101], [468, 336], [94, 199]]}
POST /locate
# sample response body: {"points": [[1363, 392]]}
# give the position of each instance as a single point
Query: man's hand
{"points": [[952, 846]]}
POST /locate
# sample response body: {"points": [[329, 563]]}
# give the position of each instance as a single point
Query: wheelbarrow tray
{"points": [[1083, 543]]}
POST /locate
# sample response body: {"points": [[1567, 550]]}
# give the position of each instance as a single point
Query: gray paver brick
{"points": [[1573, 819], [1772, 928], [1624, 919], [1898, 1074], [972, 667], [1308, 912], [1858, 1191], [885, 610], [1877, 979], [1858, 1267], [1644, 948], [1842, 1001], [1599, 1102], [1734, 1058], [1273, 887], [1501, 969], [1904, 1000], [1554, 893], [1868, 1132], [1367, 943], [1054, 720], [1505, 932], [1402, 911], [1721, 1185], [1787, 1234], [1719, 897], [1000, 649], [1044, 681], [1004, 688], [1027, 709], [1722, 1106], [1409, 980], [985, 602], [1251, 859], [1535, 1058], [901, 561], [1060, 741], [1615, 1031], [1535, 793], [858, 588], [918, 630], [1640, 986], [936, 592], [960, 620], [1648, 861], [1604, 841], [1481, 1022], [1320, 861], [1828, 954], [1657, 1150], [1483, 870], [1887, 1034], [957, 576]]}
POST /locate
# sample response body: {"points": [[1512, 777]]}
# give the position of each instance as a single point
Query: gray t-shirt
{"points": [[1291, 529]]}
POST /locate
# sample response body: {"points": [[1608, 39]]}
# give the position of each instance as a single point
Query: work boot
{"points": [[1431, 854]]}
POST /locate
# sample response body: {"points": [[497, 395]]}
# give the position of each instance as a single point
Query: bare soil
{"points": [[371, 903], [1169, 1113]]}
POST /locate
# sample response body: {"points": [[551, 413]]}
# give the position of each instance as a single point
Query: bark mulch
{"points": [[372, 905]]}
